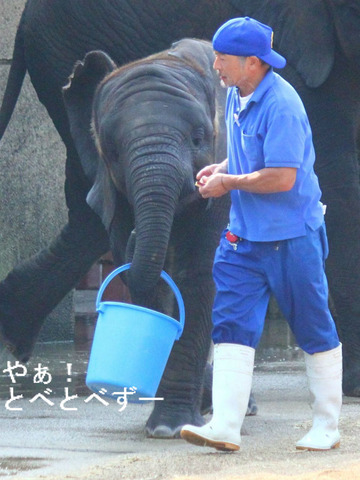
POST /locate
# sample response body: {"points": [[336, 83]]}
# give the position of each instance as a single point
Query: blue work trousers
{"points": [[247, 273]]}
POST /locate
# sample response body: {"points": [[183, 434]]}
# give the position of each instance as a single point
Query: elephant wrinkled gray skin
{"points": [[155, 124], [320, 40]]}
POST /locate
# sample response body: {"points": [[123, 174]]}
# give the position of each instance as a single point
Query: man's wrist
{"points": [[224, 182]]}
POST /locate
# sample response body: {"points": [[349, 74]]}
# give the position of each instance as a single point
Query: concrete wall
{"points": [[32, 164]]}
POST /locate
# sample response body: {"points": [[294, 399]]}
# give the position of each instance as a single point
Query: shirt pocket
{"points": [[252, 146]]}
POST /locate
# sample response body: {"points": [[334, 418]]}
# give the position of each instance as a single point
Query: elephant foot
{"points": [[18, 336], [354, 392], [167, 422], [351, 384], [252, 408]]}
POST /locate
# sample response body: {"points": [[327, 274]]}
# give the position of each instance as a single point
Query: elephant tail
{"points": [[14, 82]]}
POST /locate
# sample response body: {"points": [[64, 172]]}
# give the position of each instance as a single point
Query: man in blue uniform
{"points": [[276, 240]]}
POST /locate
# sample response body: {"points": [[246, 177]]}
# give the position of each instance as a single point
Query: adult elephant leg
{"points": [[343, 269], [335, 122], [32, 289]]}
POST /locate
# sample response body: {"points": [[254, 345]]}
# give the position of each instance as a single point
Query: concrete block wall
{"points": [[32, 166]]}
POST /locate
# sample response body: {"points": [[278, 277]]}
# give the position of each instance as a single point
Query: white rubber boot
{"points": [[324, 371], [232, 379]]}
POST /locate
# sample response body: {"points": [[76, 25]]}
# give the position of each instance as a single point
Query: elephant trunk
{"points": [[154, 189]]}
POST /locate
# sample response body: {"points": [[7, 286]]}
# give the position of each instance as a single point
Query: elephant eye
{"points": [[197, 137], [197, 142]]}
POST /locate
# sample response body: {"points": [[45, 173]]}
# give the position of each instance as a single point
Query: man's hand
{"points": [[212, 170], [210, 174], [212, 186]]}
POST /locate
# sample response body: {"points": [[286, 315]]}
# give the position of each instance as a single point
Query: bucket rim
{"points": [[165, 277], [131, 306]]}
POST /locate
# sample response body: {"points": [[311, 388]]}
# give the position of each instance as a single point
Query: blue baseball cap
{"points": [[246, 37]]}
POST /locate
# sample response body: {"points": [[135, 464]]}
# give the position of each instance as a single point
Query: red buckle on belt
{"points": [[231, 237]]}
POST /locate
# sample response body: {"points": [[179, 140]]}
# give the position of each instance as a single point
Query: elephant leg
{"points": [[182, 383], [33, 288], [187, 381], [206, 395], [343, 269]]}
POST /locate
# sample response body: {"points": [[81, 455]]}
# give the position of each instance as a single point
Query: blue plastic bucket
{"points": [[131, 345]]}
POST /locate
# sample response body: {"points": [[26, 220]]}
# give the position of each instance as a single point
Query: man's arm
{"points": [[266, 180]]}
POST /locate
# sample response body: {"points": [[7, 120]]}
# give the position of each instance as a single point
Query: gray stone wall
{"points": [[32, 159]]}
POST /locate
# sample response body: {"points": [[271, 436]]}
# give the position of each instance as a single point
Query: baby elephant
{"points": [[156, 122]]}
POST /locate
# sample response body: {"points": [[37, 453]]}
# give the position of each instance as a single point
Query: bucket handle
{"points": [[163, 275]]}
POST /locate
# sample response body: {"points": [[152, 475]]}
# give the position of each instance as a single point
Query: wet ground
{"points": [[51, 427], [42, 435]]}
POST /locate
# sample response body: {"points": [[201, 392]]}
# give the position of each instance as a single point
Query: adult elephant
{"points": [[321, 43]]}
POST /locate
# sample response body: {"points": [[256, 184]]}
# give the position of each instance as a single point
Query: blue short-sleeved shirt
{"points": [[272, 131]]}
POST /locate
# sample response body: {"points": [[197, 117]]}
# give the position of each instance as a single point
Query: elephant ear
{"points": [[102, 196], [78, 97], [303, 34]]}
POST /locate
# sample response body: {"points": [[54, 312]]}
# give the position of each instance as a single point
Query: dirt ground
{"points": [[267, 451]]}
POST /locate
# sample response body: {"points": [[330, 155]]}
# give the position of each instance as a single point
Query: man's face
{"points": [[232, 70]]}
